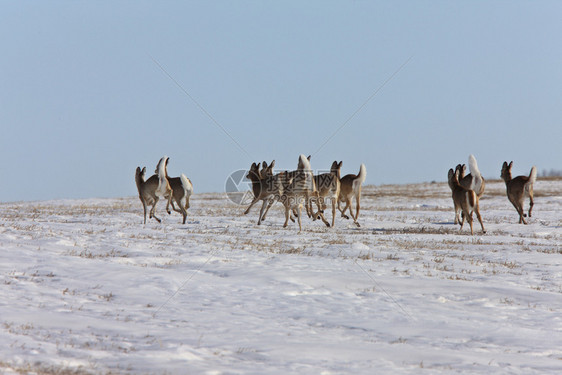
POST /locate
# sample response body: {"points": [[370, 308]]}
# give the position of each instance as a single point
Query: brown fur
{"points": [[516, 189], [347, 193], [266, 188], [298, 189], [466, 181], [464, 200], [148, 191], [328, 186], [178, 194]]}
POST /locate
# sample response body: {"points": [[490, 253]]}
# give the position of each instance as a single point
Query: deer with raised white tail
{"points": [[464, 200], [182, 188], [351, 188], [298, 189], [517, 188], [155, 187], [473, 180]]}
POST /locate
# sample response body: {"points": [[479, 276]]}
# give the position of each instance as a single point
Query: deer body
{"points": [[182, 189], [351, 188], [265, 186], [328, 186], [298, 190], [517, 188], [474, 180], [155, 187], [464, 200]]}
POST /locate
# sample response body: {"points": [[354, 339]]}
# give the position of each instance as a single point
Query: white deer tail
{"points": [[475, 172], [162, 175], [187, 185], [360, 178], [532, 176], [473, 166], [161, 167], [307, 169]]}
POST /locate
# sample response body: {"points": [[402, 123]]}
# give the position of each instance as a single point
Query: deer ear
{"points": [[272, 164], [143, 170], [511, 164], [341, 162], [309, 157]]}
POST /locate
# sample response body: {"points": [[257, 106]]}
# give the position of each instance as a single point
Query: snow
{"points": [[87, 288]]}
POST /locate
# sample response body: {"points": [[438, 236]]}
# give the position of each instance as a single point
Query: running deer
{"points": [[350, 188], [517, 188], [464, 200], [474, 180], [328, 186], [155, 187], [298, 190], [266, 187], [182, 188], [284, 179]]}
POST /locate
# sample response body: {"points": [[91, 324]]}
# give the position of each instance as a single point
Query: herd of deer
{"points": [[300, 189]]}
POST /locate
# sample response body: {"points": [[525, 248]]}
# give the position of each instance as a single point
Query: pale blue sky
{"points": [[82, 103]]}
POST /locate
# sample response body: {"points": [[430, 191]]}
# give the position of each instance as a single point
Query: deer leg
{"points": [[299, 211], [152, 214], [263, 207], [169, 198], [183, 211], [351, 210], [271, 201], [469, 219], [333, 212], [308, 205], [477, 210], [358, 206], [321, 216], [347, 204], [144, 208], [256, 199], [179, 209], [457, 216], [519, 209], [321, 205], [461, 221], [287, 209], [531, 203]]}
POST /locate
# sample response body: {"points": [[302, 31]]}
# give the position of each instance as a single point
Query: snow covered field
{"points": [[87, 288]]}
